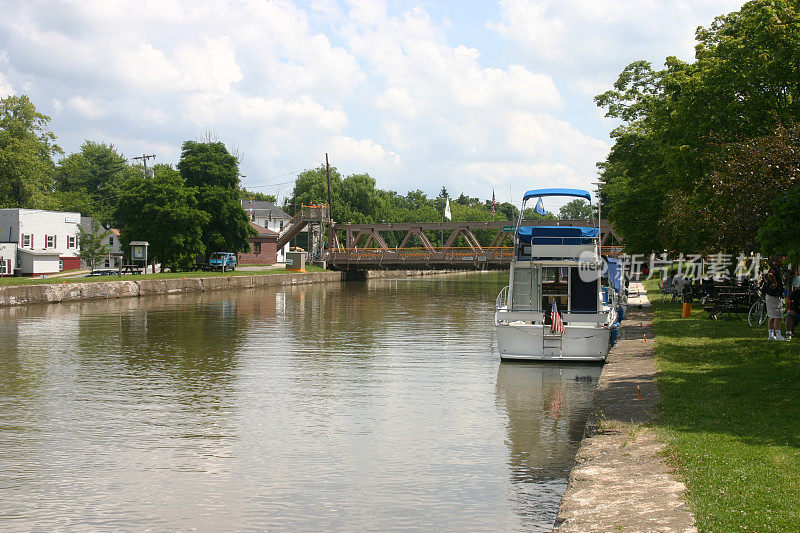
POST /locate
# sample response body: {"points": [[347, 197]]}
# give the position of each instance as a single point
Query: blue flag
{"points": [[540, 207]]}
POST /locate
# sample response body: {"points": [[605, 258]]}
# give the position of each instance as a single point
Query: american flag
{"points": [[494, 202], [556, 324]]}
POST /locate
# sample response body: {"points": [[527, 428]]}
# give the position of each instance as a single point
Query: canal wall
{"points": [[68, 292]]}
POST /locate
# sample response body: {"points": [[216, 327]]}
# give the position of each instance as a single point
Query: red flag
{"points": [[556, 324]]}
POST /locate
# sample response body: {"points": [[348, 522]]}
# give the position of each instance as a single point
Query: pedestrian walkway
{"points": [[621, 481]]}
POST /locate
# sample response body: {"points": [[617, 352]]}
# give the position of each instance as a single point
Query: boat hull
{"points": [[529, 342]]}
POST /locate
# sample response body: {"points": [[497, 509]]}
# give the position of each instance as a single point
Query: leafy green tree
{"points": [[89, 181], [27, 148], [91, 243], [245, 194], [205, 164], [214, 173], [779, 234], [577, 209], [665, 172], [165, 213]]}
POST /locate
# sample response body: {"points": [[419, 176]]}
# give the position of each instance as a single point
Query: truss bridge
{"points": [[365, 245]]}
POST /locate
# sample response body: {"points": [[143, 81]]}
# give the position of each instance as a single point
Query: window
{"points": [[60, 265], [49, 241], [5, 266], [111, 241], [256, 247], [27, 241], [71, 241]]}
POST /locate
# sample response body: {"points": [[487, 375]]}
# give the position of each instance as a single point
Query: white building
{"points": [[8, 258], [47, 241], [268, 215]]}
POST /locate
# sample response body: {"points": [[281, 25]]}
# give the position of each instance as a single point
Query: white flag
{"points": [[447, 214]]}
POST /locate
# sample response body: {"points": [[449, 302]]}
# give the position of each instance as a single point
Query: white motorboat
{"points": [[563, 302]]}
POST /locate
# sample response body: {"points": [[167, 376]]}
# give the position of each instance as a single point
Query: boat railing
{"points": [[502, 298]]}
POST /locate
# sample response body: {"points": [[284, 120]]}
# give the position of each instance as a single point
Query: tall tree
{"points": [[214, 173], [741, 86], [165, 213], [89, 181], [27, 148], [91, 243], [577, 209]]}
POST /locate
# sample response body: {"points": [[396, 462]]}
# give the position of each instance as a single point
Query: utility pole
{"points": [[144, 159], [330, 203]]}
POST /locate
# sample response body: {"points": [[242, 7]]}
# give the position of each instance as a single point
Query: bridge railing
{"points": [[419, 255]]}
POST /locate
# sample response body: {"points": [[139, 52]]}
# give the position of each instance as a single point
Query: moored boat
{"points": [[560, 303]]}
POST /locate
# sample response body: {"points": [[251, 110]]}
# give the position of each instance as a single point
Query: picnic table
{"points": [[130, 269], [728, 300]]}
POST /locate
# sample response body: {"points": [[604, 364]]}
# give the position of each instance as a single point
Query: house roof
{"points": [[265, 209], [262, 231]]}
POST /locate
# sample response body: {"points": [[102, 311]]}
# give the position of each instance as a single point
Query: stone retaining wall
{"points": [[65, 292]]}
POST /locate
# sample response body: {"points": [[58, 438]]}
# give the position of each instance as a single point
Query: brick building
{"points": [[263, 247]]}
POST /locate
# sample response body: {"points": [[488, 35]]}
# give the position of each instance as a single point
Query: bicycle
{"points": [[758, 312]]}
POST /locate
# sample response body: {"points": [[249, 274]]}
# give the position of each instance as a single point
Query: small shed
{"points": [[263, 247]]}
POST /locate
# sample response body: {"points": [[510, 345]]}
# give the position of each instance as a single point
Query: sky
{"points": [[472, 95]]}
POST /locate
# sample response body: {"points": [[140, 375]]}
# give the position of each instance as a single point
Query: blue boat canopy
{"points": [[580, 193], [556, 234]]}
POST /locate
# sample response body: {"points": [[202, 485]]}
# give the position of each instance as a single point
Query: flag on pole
{"points": [[556, 324], [540, 207], [447, 214], [494, 202]]}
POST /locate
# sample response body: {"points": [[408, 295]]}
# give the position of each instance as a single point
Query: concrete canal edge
{"points": [[14, 295], [621, 480]]}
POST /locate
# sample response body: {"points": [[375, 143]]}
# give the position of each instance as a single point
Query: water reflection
{"points": [[375, 405], [547, 406]]}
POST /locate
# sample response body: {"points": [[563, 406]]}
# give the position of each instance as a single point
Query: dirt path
{"points": [[620, 481]]}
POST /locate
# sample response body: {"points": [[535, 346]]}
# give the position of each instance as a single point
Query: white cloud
{"points": [[5, 87], [90, 108], [383, 87]]}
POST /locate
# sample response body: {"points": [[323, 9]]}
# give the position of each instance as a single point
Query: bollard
{"points": [[687, 310], [639, 392]]}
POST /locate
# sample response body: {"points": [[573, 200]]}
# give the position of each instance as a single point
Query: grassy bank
{"points": [[164, 275], [730, 409]]}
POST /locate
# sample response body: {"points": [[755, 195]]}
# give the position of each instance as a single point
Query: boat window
{"points": [[583, 293], [555, 286], [526, 288]]}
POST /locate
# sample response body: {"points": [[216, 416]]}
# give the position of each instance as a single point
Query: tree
{"points": [[91, 243], [577, 209], [244, 194], [214, 173], [165, 213], [89, 181], [208, 164], [666, 173], [27, 148]]}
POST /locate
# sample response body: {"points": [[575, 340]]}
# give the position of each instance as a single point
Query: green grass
{"points": [[730, 410], [165, 275]]}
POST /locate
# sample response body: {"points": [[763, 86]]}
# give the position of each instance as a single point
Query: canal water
{"points": [[377, 405]]}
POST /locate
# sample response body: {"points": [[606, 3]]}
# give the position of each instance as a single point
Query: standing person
{"points": [[773, 289], [792, 311]]}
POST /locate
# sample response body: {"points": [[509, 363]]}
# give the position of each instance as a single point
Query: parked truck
{"points": [[223, 261]]}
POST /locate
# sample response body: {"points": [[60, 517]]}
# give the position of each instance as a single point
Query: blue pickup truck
{"points": [[222, 261]]}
